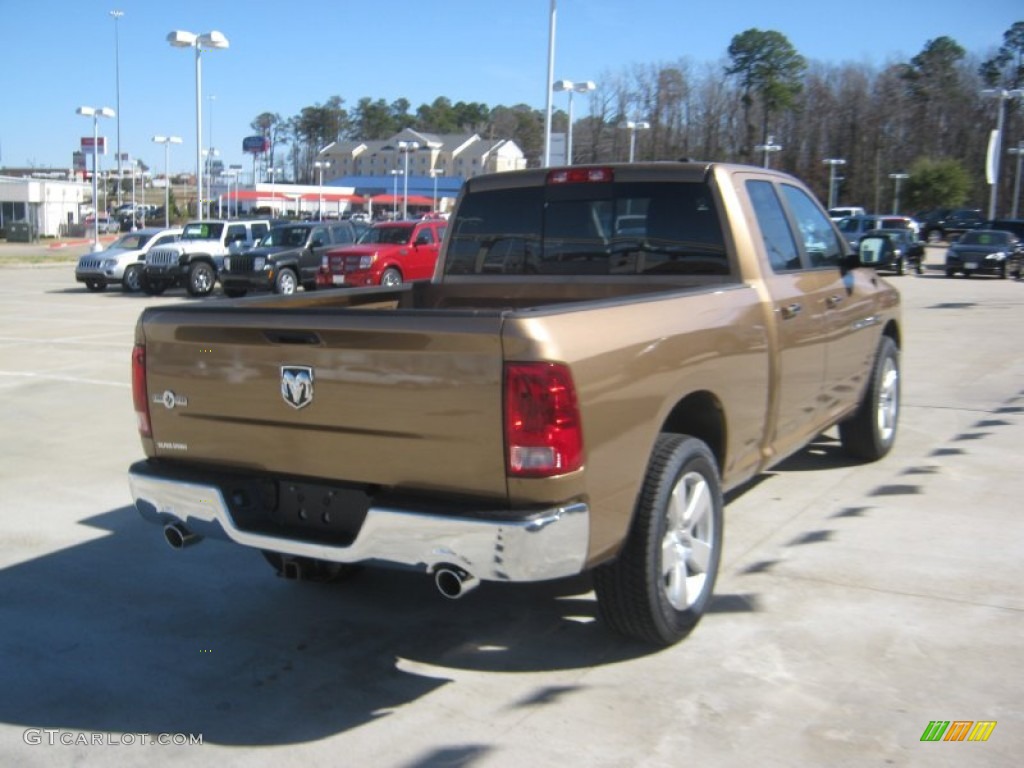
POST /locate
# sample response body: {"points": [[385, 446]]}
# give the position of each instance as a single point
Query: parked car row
{"points": [[260, 255]]}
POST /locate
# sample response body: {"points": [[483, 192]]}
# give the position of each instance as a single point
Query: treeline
{"points": [[927, 117]]}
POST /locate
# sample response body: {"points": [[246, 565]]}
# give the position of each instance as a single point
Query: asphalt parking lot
{"points": [[856, 604]]}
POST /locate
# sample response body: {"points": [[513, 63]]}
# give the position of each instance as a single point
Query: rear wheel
{"points": [[871, 431], [899, 267], [201, 278], [391, 277], [661, 583], [285, 282], [1002, 271]]}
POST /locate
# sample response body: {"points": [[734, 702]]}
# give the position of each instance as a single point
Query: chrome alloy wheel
{"points": [[686, 549], [888, 403]]}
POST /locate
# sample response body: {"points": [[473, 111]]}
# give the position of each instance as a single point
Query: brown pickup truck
{"points": [[601, 353]]}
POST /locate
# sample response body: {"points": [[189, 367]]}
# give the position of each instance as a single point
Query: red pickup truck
{"points": [[388, 254]]}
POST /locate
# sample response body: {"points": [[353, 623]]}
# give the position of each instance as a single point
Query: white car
{"points": [[123, 260]]}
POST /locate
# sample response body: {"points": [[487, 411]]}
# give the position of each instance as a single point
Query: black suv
{"points": [[287, 257], [948, 223]]}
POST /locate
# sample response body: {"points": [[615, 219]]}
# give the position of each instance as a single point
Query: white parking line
{"points": [[70, 379]]}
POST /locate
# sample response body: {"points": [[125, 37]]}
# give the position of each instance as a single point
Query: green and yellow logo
{"points": [[958, 730]]}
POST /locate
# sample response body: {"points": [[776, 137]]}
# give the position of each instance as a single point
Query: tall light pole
{"points": [[552, 14], [273, 175], [995, 142], [832, 163], [767, 148], [320, 165], [405, 147], [95, 113], [434, 173], [395, 173], [634, 126], [117, 103], [1018, 151], [209, 154], [167, 141], [208, 41], [568, 85], [897, 178]]}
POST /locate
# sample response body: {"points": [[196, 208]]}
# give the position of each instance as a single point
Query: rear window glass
{"points": [[589, 229]]}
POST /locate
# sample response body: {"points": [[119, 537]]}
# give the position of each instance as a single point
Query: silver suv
{"points": [[196, 259], [121, 262]]}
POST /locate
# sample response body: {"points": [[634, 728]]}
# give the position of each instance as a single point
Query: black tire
{"points": [[131, 281], [391, 277], [950, 272], [1002, 271], [286, 282], [201, 279], [639, 594], [308, 569], [871, 431], [899, 267], [919, 268], [96, 286]]}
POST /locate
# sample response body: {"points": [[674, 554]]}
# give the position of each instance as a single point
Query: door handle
{"points": [[833, 301], [790, 311]]}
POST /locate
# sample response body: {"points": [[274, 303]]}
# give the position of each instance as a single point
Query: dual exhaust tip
{"points": [[451, 581]]}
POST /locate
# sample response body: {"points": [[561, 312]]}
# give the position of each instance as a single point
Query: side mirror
{"points": [[871, 251]]}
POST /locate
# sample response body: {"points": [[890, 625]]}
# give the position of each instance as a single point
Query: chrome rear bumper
{"points": [[547, 544]]}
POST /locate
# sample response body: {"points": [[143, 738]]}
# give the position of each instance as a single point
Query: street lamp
{"points": [[207, 41], [553, 12], [832, 162], [767, 148], [320, 165], [633, 127], [395, 173], [405, 147], [95, 113], [209, 154], [117, 105], [134, 163], [273, 175], [167, 141], [434, 173], [995, 144], [568, 85], [897, 178], [1018, 151]]}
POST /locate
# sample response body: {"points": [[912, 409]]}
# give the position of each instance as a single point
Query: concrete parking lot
{"points": [[856, 604]]}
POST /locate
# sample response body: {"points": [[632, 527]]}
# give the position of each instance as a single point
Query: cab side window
{"points": [[783, 254], [815, 228], [236, 234]]}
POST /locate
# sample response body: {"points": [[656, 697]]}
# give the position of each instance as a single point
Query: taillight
{"points": [[140, 396], [580, 175], [543, 434]]}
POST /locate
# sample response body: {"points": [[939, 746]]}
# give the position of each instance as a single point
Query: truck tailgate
{"points": [[397, 399]]}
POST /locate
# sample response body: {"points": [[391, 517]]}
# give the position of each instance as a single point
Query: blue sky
{"points": [[59, 54]]}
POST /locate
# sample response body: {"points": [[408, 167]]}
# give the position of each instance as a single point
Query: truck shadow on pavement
{"points": [[121, 634]]}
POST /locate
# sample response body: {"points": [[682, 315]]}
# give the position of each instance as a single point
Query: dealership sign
{"points": [[100, 143], [256, 145]]}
